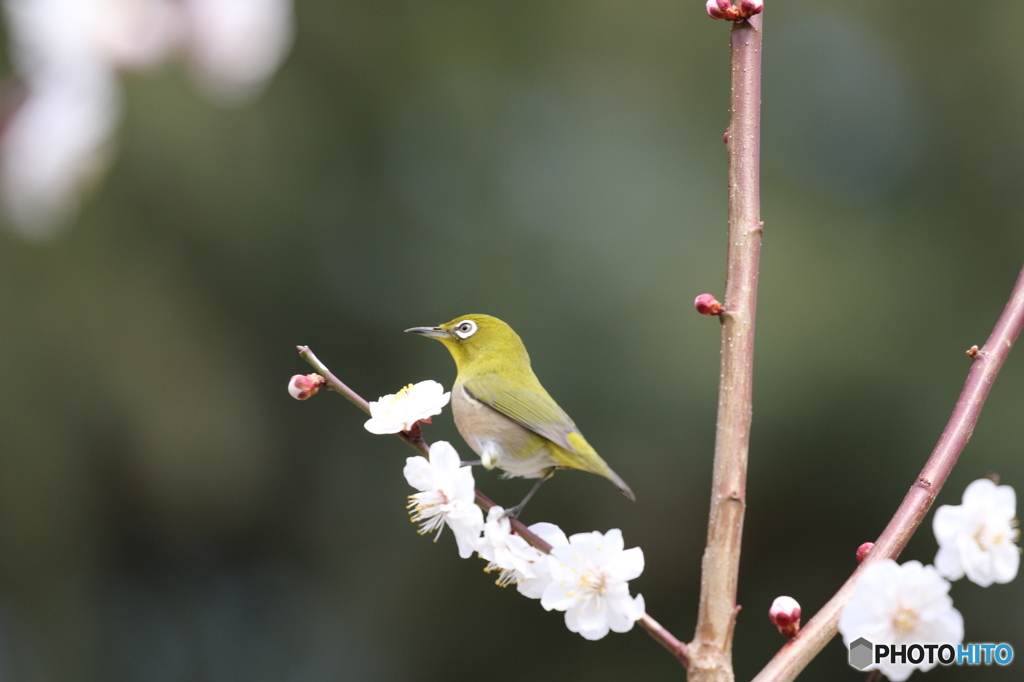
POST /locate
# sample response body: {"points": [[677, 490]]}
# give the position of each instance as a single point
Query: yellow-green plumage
{"points": [[502, 410]]}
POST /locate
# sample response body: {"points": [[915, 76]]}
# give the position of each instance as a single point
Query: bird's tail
{"points": [[587, 459], [617, 480]]}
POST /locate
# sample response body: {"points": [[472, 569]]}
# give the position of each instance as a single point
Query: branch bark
{"points": [[711, 649], [792, 658]]}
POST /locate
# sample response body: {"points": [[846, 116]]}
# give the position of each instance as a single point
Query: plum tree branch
{"points": [[414, 437], [710, 651], [986, 363]]}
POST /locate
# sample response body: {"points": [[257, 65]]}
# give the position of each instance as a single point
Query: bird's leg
{"points": [[472, 463], [515, 511]]}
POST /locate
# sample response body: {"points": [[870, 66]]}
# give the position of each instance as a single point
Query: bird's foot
{"points": [[516, 510], [513, 512]]}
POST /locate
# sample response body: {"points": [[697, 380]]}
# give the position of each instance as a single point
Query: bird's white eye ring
{"points": [[465, 329]]}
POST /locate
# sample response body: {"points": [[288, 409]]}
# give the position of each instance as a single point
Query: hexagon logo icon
{"points": [[861, 653]]}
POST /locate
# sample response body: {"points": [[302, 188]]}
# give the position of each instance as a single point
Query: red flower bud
{"points": [[785, 614], [749, 8], [303, 386], [718, 9], [706, 304], [863, 550]]}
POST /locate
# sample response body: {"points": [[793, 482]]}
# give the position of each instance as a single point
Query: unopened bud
{"points": [[706, 304], [785, 614], [718, 9], [303, 386], [863, 550], [749, 8]]}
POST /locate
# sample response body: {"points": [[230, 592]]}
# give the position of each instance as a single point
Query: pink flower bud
{"points": [[303, 386], [706, 304], [785, 614], [863, 550], [718, 9], [749, 8]]}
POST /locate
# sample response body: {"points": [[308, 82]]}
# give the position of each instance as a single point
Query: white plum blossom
{"points": [[519, 561], [901, 604], [506, 551], [590, 582], [446, 498], [977, 538], [400, 411], [534, 587], [236, 45], [58, 138]]}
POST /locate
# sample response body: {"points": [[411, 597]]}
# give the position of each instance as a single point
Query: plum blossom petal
{"points": [[400, 411], [446, 498], [977, 538], [519, 562], [58, 140], [553, 535], [236, 45], [901, 604], [590, 578]]}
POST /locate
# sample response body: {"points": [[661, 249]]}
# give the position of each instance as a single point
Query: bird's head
{"points": [[477, 341]]}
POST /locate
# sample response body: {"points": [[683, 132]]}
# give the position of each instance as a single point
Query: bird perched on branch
{"points": [[503, 412]]}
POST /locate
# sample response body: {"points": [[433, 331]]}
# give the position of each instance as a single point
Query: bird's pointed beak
{"points": [[432, 332]]}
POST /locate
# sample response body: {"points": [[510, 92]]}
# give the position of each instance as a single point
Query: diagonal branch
{"points": [[792, 658], [415, 440]]}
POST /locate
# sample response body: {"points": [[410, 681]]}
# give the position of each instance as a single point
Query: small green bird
{"points": [[503, 412]]}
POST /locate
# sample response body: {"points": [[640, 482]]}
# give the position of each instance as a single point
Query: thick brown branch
{"points": [[711, 649]]}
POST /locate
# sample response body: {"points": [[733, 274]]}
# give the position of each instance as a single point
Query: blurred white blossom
{"points": [[977, 538], [236, 45], [590, 578], [67, 54], [400, 411], [895, 605], [447, 497]]}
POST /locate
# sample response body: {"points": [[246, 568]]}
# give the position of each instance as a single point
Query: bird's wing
{"points": [[533, 409]]}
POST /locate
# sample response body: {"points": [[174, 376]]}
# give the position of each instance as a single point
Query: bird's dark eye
{"points": [[465, 329]]}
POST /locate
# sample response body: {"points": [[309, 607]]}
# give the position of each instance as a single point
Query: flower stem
{"points": [[985, 366], [415, 440], [711, 649]]}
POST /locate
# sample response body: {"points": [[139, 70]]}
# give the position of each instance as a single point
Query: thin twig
{"points": [[665, 638], [790, 660], [711, 649], [415, 439]]}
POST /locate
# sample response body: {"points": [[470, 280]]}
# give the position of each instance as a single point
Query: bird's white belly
{"points": [[499, 441], [532, 466]]}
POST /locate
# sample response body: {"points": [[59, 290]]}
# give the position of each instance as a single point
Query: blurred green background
{"points": [[168, 513]]}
